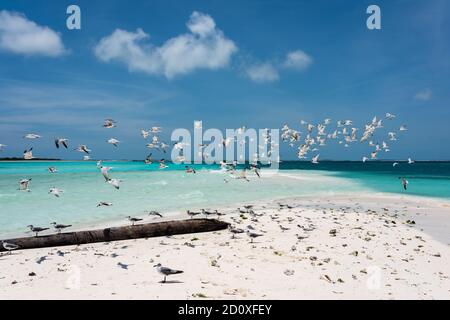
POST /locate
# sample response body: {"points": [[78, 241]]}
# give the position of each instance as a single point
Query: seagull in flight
{"points": [[23, 185], [104, 171], [114, 142], [144, 133], [394, 164], [155, 213], [166, 271], [109, 123], [2, 146], [61, 141], [28, 154], [115, 183], [56, 192], [83, 148], [390, 116], [104, 204], [315, 159], [32, 136], [52, 170], [402, 128], [410, 161]]}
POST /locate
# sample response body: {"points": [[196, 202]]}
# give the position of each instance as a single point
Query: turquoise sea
{"points": [[145, 187]]}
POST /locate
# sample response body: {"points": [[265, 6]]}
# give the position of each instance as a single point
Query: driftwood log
{"points": [[137, 231]]}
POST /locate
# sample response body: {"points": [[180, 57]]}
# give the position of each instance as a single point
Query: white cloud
{"points": [[204, 47], [297, 60], [262, 73], [22, 36], [424, 95]]}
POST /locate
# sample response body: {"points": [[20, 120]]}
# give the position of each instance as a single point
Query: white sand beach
{"points": [[342, 247]]}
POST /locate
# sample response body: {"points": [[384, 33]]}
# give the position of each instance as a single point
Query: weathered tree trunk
{"points": [[148, 230]]}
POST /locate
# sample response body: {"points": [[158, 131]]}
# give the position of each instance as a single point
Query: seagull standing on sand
{"points": [[23, 185], [234, 231], [192, 213], [134, 220], [9, 246], [61, 141], [253, 235], [60, 227], [36, 230], [166, 271]]}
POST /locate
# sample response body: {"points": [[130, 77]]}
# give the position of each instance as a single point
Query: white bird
{"points": [[104, 171], [86, 158], [52, 170], [394, 164], [392, 136], [23, 184], [115, 183], [410, 161], [390, 116], [36, 230], [83, 148], [61, 141], [144, 133], [402, 128], [2, 146], [56, 192], [104, 204], [9, 246], [114, 142], [60, 227], [197, 124], [315, 159], [166, 271], [155, 129], [373, 155], [364, 159], [109, 123], [32, 136], [28, 154]]}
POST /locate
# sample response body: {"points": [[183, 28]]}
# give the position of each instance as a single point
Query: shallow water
{"points": [[145, 187]]}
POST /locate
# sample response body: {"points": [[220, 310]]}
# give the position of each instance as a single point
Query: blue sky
{"points": [[69, 85]]}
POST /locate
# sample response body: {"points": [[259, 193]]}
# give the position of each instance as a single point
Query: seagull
{"points": [[109, 123], [114, 142], [315, 160], [134, 220], [28, 154], [187, 169], [52, 170], [155, 213], [56, 192], [162, 164], [390, 116], [394, 164], [9, 246], [83, 148], [2, 146], [253, 235], [104, 204], [23, 185], [148, 159], [144, 133], [410, 161], [104, 171], [192, 213], [402, 128], [208, 213], [61, 141], [36, 230], [155, 129], [115, 183], [166, 271], [404, 183], [364, 159], [60, 227], [86, 158], [235, 231], [32, 136]]}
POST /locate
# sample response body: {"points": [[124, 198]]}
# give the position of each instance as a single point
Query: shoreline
{"points": [[317, 248]]}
